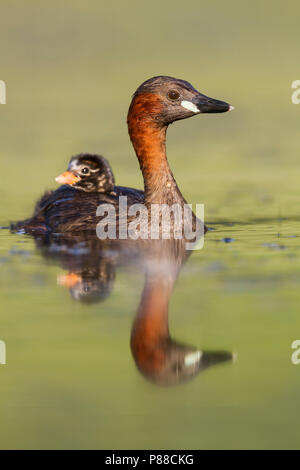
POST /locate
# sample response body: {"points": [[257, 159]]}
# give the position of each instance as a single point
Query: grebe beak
{"points": [[205, 104], [67, 178]]}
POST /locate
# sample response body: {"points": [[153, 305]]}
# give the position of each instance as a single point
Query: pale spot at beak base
{"points": [[193, 358], [190, 106]]}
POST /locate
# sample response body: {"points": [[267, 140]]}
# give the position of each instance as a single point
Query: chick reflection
{"points": [[91, 266], [90, 285]]}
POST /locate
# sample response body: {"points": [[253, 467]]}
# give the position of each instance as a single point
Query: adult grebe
{"points": [[157, 103]]}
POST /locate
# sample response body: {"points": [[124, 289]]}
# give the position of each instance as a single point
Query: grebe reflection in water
{"points": [[91, 267]]}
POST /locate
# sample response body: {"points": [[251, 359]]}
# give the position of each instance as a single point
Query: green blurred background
{"points": [[70, 68]]}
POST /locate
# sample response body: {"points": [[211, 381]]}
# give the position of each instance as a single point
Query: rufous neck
{"points": [[150, 331], [148, 137]]}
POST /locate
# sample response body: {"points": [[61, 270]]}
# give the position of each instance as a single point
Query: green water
{"points": [[71, 380]]}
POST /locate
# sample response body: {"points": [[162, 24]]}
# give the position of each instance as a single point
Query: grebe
{"points": [[157, 103]]}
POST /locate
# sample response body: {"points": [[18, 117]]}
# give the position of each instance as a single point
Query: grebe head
{"points": [[89, 173], [167, 99]]}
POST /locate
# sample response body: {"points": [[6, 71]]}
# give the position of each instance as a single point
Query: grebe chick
{"points": [[89, 173]]}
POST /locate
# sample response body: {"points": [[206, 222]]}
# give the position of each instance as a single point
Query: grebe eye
{"points": [[85, 171], [173, 95]]}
